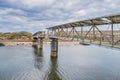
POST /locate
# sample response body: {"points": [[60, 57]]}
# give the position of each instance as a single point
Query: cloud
{"points": [[10, 22], [4, 11], [33, 15], [12, 15], [31, 3]]}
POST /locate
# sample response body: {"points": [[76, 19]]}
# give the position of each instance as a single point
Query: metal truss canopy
{"points": [[39, 32], [113, 19]]}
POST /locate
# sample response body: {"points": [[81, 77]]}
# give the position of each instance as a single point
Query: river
{"points": [[74, 62]]}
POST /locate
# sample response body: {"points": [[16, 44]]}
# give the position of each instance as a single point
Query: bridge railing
{"points": [[104, 37]]}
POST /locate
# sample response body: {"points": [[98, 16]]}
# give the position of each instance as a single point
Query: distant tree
{"points": [[27, 35], [16, 36]]}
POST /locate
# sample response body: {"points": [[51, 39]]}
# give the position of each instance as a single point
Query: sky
{"points": [[37, 15]]}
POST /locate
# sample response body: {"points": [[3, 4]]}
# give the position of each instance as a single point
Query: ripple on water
{"points": [[74, 63]]}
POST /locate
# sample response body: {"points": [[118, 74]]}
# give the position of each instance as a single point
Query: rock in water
{"points": [[1, 44]]}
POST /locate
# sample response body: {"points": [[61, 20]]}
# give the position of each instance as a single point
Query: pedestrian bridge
{"points": [[103, 30]]}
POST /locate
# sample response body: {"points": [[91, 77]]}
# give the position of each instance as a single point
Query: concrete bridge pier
{"points": [[35, 41], [54, 47], [101, 37], [41, 42]]}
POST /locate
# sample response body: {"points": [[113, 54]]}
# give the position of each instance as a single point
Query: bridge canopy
{"points": [[39, 32], [105, 20]]}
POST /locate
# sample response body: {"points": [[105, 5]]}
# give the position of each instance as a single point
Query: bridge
{"points": [[102, 30], [38, 38]]}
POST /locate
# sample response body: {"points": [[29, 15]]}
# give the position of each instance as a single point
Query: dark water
{"points": [[75, 62]]}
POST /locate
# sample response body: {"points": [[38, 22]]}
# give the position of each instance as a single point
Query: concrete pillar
{"points": [[35, 41], [54, 47], [112, 35], [41, 43], [100, 39], [94, 35]]}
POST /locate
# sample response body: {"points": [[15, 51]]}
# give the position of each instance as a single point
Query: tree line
{"points": [[16, 36]]}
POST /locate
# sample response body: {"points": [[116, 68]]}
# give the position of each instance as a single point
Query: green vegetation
{"points": [[16, 36]]}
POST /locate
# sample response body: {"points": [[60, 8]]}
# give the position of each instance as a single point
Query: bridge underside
{"points": [[103, 30]]}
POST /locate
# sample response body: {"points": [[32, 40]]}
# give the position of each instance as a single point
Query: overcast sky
{"points": [[37, 15]]}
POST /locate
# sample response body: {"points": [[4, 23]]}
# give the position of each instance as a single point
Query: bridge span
{"points": [[102, 30]]}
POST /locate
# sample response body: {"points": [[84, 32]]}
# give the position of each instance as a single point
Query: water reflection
{"points": [[38, 54], [53, 73], [73, 63]]}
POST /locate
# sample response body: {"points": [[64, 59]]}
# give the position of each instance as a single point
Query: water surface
{"points": [[75, 62]]}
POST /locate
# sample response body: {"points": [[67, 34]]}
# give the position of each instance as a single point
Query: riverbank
{"points": [[25, 43]]}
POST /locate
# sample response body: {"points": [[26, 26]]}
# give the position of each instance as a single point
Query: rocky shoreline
{"points": [[15, 43], [31, 43]]}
